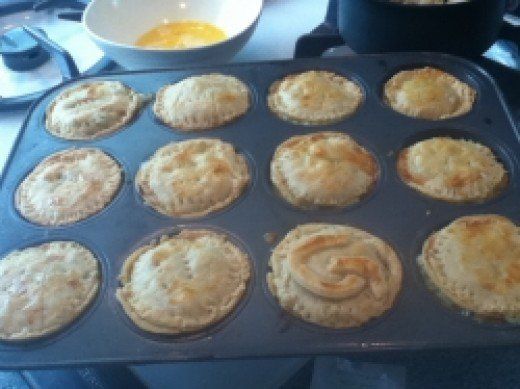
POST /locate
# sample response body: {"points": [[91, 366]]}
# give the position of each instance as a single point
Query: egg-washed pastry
{"points": [[193, 178], [428, 93], [314, 97], [68, 186], [92, 109], [44, 288], [183, 283], [202, 102], [323, 168], [452, 169], [334, 275], [474, 263]]}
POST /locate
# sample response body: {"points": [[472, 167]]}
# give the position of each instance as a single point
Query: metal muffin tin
{"points": [[259, 327]]}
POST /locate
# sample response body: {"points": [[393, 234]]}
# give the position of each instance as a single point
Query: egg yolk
{"points": [[181, 35]]}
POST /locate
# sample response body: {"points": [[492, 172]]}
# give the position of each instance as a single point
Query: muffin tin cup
{"points": [[123, 186], [189, 336], [258, 327], [68, 328]]}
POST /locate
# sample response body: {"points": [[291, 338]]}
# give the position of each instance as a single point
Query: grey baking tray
{"points": [[259, 328]]}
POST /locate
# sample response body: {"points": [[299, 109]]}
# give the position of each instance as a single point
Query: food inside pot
{"points": [[428, 2]]}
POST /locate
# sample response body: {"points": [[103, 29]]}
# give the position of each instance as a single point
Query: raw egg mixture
{"points": [[181, 35]]}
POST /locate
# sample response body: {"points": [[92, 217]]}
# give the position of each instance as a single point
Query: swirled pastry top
{"points": [[183, 283], [334, 275], [314, 97], [452, 169], [428, 93], [92, 109], [68, 186], [44, 288], [475, 263], [202, 102], [193, 178], [323, 168]]}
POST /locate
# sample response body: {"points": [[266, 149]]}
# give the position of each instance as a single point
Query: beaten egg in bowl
{"points": [[116, 26], [181, 35]]}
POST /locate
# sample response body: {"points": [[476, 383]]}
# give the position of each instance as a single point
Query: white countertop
{"points": [[281, 23]]}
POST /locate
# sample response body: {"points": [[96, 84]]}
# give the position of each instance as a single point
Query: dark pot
{"points": [[467, 29], [375, 26]]}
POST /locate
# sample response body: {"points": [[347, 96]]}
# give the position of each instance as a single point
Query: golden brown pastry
{"points": [[44, 288], [183, 283], [474, 262], [193, 178], [323, 168], [68, 186], [428, 93], [314, 97], [202, 102], [452, 169], [92, 109], [334, 275]]}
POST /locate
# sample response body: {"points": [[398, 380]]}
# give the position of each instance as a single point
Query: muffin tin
{"points": [[259, 328]]}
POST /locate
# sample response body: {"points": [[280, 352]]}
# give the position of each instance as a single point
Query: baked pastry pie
{"points": [[452, 169], [193, 178], [202, 102], [92, 109], [44, 288], [68, 186], [474, 263], [314, 97], [183, 283], [428, 93], [323, 168], [334, 275]]}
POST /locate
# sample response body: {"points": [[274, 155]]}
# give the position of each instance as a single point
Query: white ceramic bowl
{"points": [[114, 25]]}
